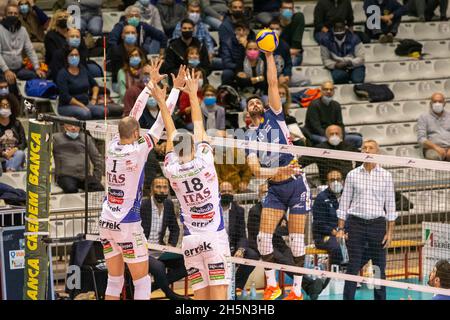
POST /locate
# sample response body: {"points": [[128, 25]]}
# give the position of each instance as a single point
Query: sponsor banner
{"points": [[36, 226], [16, 259], [436, 239]]}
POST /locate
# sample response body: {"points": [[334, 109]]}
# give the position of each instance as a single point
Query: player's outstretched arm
{"points": [[191, 89], [272, 80], [160, 95]]}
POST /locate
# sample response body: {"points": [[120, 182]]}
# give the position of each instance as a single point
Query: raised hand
{"points": [[158, 93], [191, 85], [180, 79], [155, 65]]}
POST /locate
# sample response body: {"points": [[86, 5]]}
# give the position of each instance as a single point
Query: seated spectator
{"points": [[440, 278], [176, 52], [68, 152], [264, 11], [231, 167], [74, 40], [327, 12], [129, 75], [343, 54], [4, 87], [433, 130], [149, 38], [158, 214], [234, 221], [325, 219], [213, 114], [334, 141], [215, 11], [14, 44], [283, 59], [192, 58], [232, 50], [392, 12], [78, 91], [297, 136], [251, 72], [281, 252], [424, 9], [33, 19], [293, 27], [91, 15], [184, 105], [171, 13], [324, 112], [12, 135], [200, 29], [56, 36], [149, 14]]}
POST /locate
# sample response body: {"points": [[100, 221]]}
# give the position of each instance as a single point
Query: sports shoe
{"points": [[383, 39], [293, 296], [389, 38], [272, 293]]}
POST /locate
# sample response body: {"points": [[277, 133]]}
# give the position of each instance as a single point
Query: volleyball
{"points": [[267, 40]]}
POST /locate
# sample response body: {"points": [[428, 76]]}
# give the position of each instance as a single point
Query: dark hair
{"points": [[274, 21], [231, 2], [335, 170], [13, 104], [126, 58], [187, 20], [287, 1], [190, 48], [67, 51], [443, 273], [158, 176], [254, 97], [241, 24]]}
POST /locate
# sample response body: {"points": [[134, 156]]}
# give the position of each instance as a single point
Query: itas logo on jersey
{"points": [[205, 246], [109, 225], [116, 179], [115, 196], [207, 207], [197, 198]]}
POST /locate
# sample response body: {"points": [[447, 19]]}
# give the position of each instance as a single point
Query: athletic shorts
{"points": [[204, 259], [127, 239], [292, 194]]}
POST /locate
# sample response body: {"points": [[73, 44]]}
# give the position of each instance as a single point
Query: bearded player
{"points": [[193, 177]]}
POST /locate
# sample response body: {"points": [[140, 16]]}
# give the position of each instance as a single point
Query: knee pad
{"points": [[265, 245], [297, 242], [143, 288], [115, 286]]}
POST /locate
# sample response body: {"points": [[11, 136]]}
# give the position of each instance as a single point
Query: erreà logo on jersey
{"points": [[205, 246], [207, 207]]}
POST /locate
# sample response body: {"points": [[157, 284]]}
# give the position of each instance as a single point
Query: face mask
{"points": [[237, 14], [209, 101], [200, 83], [5, 113], [4, 91], [327, 100], [74, 42], [194, 62], [339, 35], [226, 199], [336, 187], [144, 2], [133, 21], [186, 34], [74, 61], [62, 23], [11, 23], [160, 198], [252, 54], [24, 9], [194, 17], [283, 100], [135, 61], [72, 135], [130, 39], [151, 103], [334, 140], [287, 14], [437, 107]]}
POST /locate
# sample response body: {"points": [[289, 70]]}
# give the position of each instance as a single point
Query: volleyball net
{"points": [[395, 216]]}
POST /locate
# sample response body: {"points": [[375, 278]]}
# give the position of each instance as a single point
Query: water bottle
{"points": [[344, 251], [244, 294], [253, 291]]}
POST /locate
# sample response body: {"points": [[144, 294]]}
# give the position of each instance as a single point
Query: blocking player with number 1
{"points": [[120, 227], [193, 177]]}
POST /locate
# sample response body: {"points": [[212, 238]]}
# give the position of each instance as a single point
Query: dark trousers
{"points": [[333, 248], [365, 242], [71, 184], [243, 271], [166, 272]]}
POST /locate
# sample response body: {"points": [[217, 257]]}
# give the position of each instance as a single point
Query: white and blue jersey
{"points": [[272, 129], [125, 179]]}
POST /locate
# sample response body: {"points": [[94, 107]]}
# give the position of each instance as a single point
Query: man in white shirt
{"points": [[367, 208]]}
